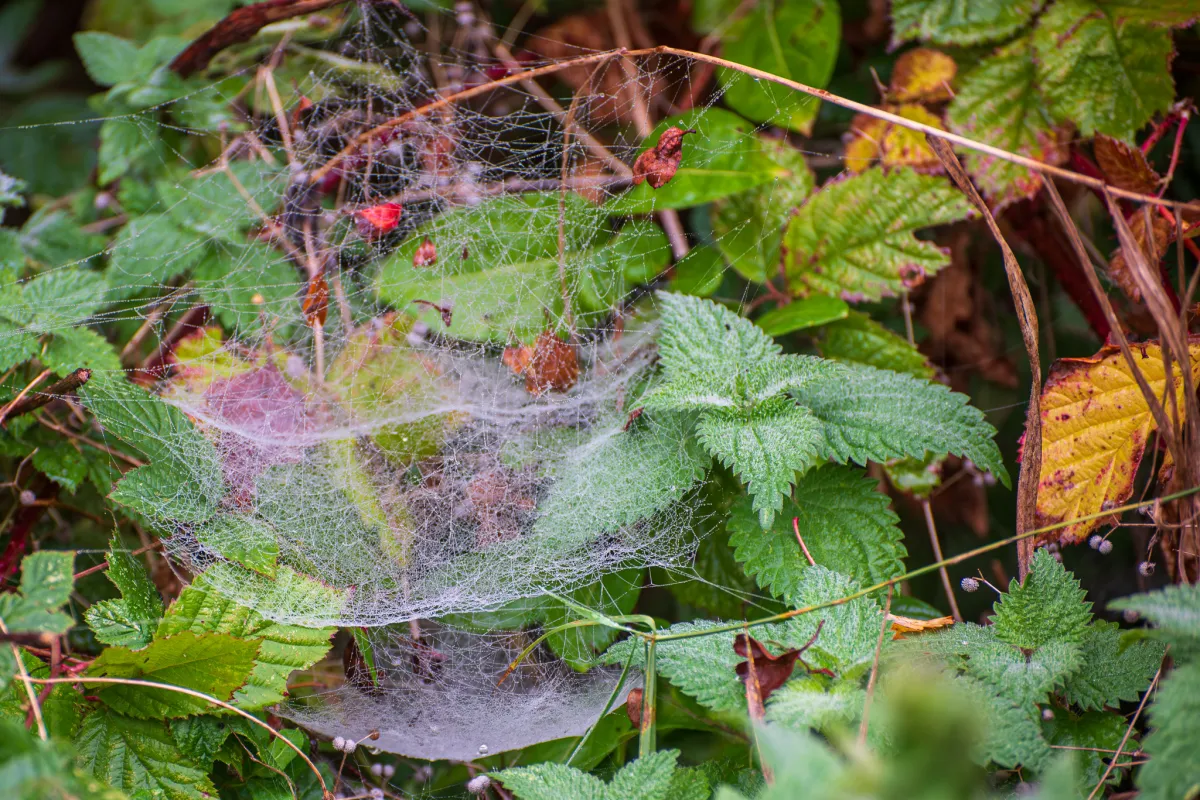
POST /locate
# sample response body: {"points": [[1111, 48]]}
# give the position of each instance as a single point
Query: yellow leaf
{"points": [[922, 75], [874, 140], [1095, 424]]}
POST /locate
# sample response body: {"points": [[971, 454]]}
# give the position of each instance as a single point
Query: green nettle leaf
{"points": [[1014, 736], [282, 649], [808, 702], [61, 298], [858, 339], [647, 778], [1048, 607], [1025, 679], [213, 663], [766, 446], [46, 581], [807, 312], [1174, 610], [1094, 733], [749, 226], [796, 39], [722, 158], [16, 347], [1108, 673], [1103, 72], [1173, 771], [74, 348], [704, 666], [959, 21], [124, 141], [846, 525], [999, 103], [108, 59], [132, 620], [876, 415], [701, 338], [32, 768], [497, 266], [139, 757], [854, 238]]}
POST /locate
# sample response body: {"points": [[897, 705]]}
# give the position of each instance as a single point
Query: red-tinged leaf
{"points": [[658, 165], [770, 671], [1154, 246], [316, 302], [550, 365], [375, 221], [1124, 165], [633, 707], [426, 254], [304, 105]]}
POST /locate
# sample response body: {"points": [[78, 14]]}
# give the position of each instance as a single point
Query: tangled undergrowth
{"points": [[410, 400]]}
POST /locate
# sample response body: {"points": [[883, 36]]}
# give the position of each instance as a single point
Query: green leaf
{"points": [[1173, 771], [647, 778], [1173, 610], [766, 446], [199, 738], [748, 226], [164, 493], [241, 538], [1048, 607], [16, 347], [1093, 733], [282, 649], [699, 273], [1104, 73], [139, 756], [1014, 736], [62, 298], [701, 339], [212, 206], [108, 59], [807, 312], [1000, 103], [132, 620], [614, 594], [31, 768], [509, 278], [10, 193], [858, 339], [74, 348], [114, 623], [61, 463], [1110, 674], [46, 581], [124, 142], [959, 21], [591, 496], [722, 158], [846, 524], [1025, 679], [796, 39], [854, 238], [213, 663], [875, 415], [808, 702], [151, 250]]}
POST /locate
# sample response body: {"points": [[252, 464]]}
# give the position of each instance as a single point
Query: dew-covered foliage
{"points": [[446, 399]]}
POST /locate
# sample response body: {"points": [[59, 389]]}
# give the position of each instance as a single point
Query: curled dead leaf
{"points": [[549, 365], [1154, 246], [426, 254], [377, 220], [1124, 165], [923, 75], [315, 305], [904, 625], [770, 671], [872, 140], [633, 707], [658, 165]]}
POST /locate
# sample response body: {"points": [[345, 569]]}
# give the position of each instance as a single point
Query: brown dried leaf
{"points": [[426, 254], [315, 305], [770, 671], [658, 165], [1124, 166], [550, 365], [923, 75], [355, 668], [902, 625], [633, 707], [1163, 234]]}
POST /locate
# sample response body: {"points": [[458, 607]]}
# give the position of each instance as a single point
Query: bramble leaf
{"points": [[959, 21], [1101, 71], [793, 40], [1095, 424], [854, 238], [130, 621], [846, 524], [807, 312], [139, 757], [999, 102], [46, 581], [858, 339]]}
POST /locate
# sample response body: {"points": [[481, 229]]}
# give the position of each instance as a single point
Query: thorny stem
{"points": [[862, 108]]}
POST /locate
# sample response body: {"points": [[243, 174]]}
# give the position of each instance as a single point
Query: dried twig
{"points": [[23, 404], [937, 553], [866, 714], [1129, 730], [1031, 454]]}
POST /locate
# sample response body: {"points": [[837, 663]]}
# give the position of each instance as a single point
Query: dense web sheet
{"points": [[365, 424]]}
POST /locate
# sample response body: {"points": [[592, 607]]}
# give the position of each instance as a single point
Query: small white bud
{"points": [[479, 784], [970, 584], [350, 746], [1146, 569], [388, 771], [339, 743], [377, 769], [27, 498], [1095, 541], [1129, 615], [1105, 547], [376, 793], [1047, 714]]}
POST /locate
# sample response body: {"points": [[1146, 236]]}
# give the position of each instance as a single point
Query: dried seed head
{"points": [[970, 584], [339, 743], [1095, 541], [479, 784], [658, 165], [1129, 615], [426, 254], [350, 746], [388, 770], [1146, 569], [27, 498], [1105, 547], [376, 793]]}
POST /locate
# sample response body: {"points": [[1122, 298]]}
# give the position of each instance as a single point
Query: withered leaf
{"points": [[633, 707], [770, 671], [1154, 246], [354, 665], [315, 306], [1124, 165], [550, 365], [375, 221], [658, 165], [922, 75], [426, 254]]}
